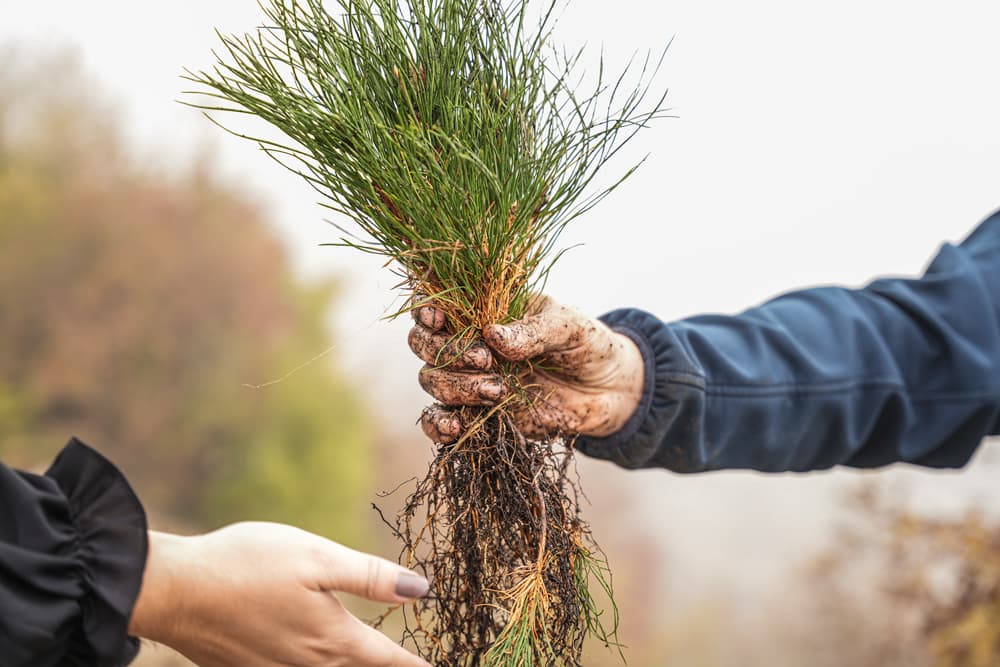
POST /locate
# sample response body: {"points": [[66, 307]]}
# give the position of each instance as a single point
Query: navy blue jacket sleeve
{"points": [[901, 370], [72, 554]]}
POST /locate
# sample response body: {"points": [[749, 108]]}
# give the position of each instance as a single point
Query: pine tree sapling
{"points": [[455, 138]]}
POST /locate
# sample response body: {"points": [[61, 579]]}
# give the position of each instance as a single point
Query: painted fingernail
{"points": [[411, 585], [492, 391]]}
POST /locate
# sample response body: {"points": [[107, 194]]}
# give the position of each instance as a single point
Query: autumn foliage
{"points": [[136, 303]]}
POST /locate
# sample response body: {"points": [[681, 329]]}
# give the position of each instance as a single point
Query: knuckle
{"points": [[322, 649], [430, 429], [422, 318], [384, 656], [478, 356], [317, 564], [439, 384], [516, 342], [374, 571], [422, 380], [432, 317], [415, 339], [445, 352], [427, 379]]}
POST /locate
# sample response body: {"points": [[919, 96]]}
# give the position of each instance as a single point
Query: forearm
{"points": [[163, 601], [903, 370]]}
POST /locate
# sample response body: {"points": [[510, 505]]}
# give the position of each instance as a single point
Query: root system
{"points": [[496, 526], [459, 142]]}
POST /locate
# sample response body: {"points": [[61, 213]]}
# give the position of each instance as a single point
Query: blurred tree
{"points": [[135, 305], [949, 569], [901, 588]]}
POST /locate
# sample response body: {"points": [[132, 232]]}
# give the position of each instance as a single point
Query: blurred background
{"points": [[154, 270]]}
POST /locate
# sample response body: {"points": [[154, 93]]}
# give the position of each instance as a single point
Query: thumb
{"points": [[552, 328], [368, 576]]}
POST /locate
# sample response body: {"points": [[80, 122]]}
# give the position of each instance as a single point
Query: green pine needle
{"points": [[460, 142], [449, 131]]}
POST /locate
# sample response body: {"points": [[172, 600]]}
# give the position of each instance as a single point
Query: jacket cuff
{"points": [[111, 550], [670, 379]]}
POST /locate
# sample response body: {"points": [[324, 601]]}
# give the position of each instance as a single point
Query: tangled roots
{"points": [[496, 527]]}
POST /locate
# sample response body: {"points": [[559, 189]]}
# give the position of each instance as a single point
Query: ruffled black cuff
{"points": [[672, 402], [111, 549]]}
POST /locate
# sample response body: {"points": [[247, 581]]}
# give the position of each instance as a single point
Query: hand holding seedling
{"points": [[583, 378], [460, 142]]}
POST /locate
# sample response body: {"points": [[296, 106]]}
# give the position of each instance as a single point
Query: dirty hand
{"points": [[584, 378], [261, 594]]}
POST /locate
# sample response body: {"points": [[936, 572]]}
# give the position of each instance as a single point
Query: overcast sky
{"points": [[815, 143]]}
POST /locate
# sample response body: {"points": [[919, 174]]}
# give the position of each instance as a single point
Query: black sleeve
{"points": [[73, 550]]}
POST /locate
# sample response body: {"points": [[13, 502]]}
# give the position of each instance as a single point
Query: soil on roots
{"points": [[496, 527]]}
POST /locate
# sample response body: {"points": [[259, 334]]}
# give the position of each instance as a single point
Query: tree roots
{"points": [[496, 527]]}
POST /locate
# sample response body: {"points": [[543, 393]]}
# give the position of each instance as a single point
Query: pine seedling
{"points": [[457, 140]]}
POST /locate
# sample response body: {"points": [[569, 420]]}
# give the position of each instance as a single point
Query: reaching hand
{"points": [[261, 595], [584, 378]]}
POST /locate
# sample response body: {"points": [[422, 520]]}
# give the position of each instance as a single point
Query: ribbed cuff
{"points": [[112, 546], [671, 380]]}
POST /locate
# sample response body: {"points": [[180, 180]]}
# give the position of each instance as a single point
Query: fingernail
{"points": [[497, 337], [431, 317], [411, 585], [450, 426], [480, 358], [495, 331], [492, 391]]}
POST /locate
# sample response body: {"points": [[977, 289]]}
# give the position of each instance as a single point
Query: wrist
{"points": [[164, 600], [633, 376], [627, 391]]}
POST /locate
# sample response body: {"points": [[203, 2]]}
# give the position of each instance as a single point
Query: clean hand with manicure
{"points": [[263, 595]]}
